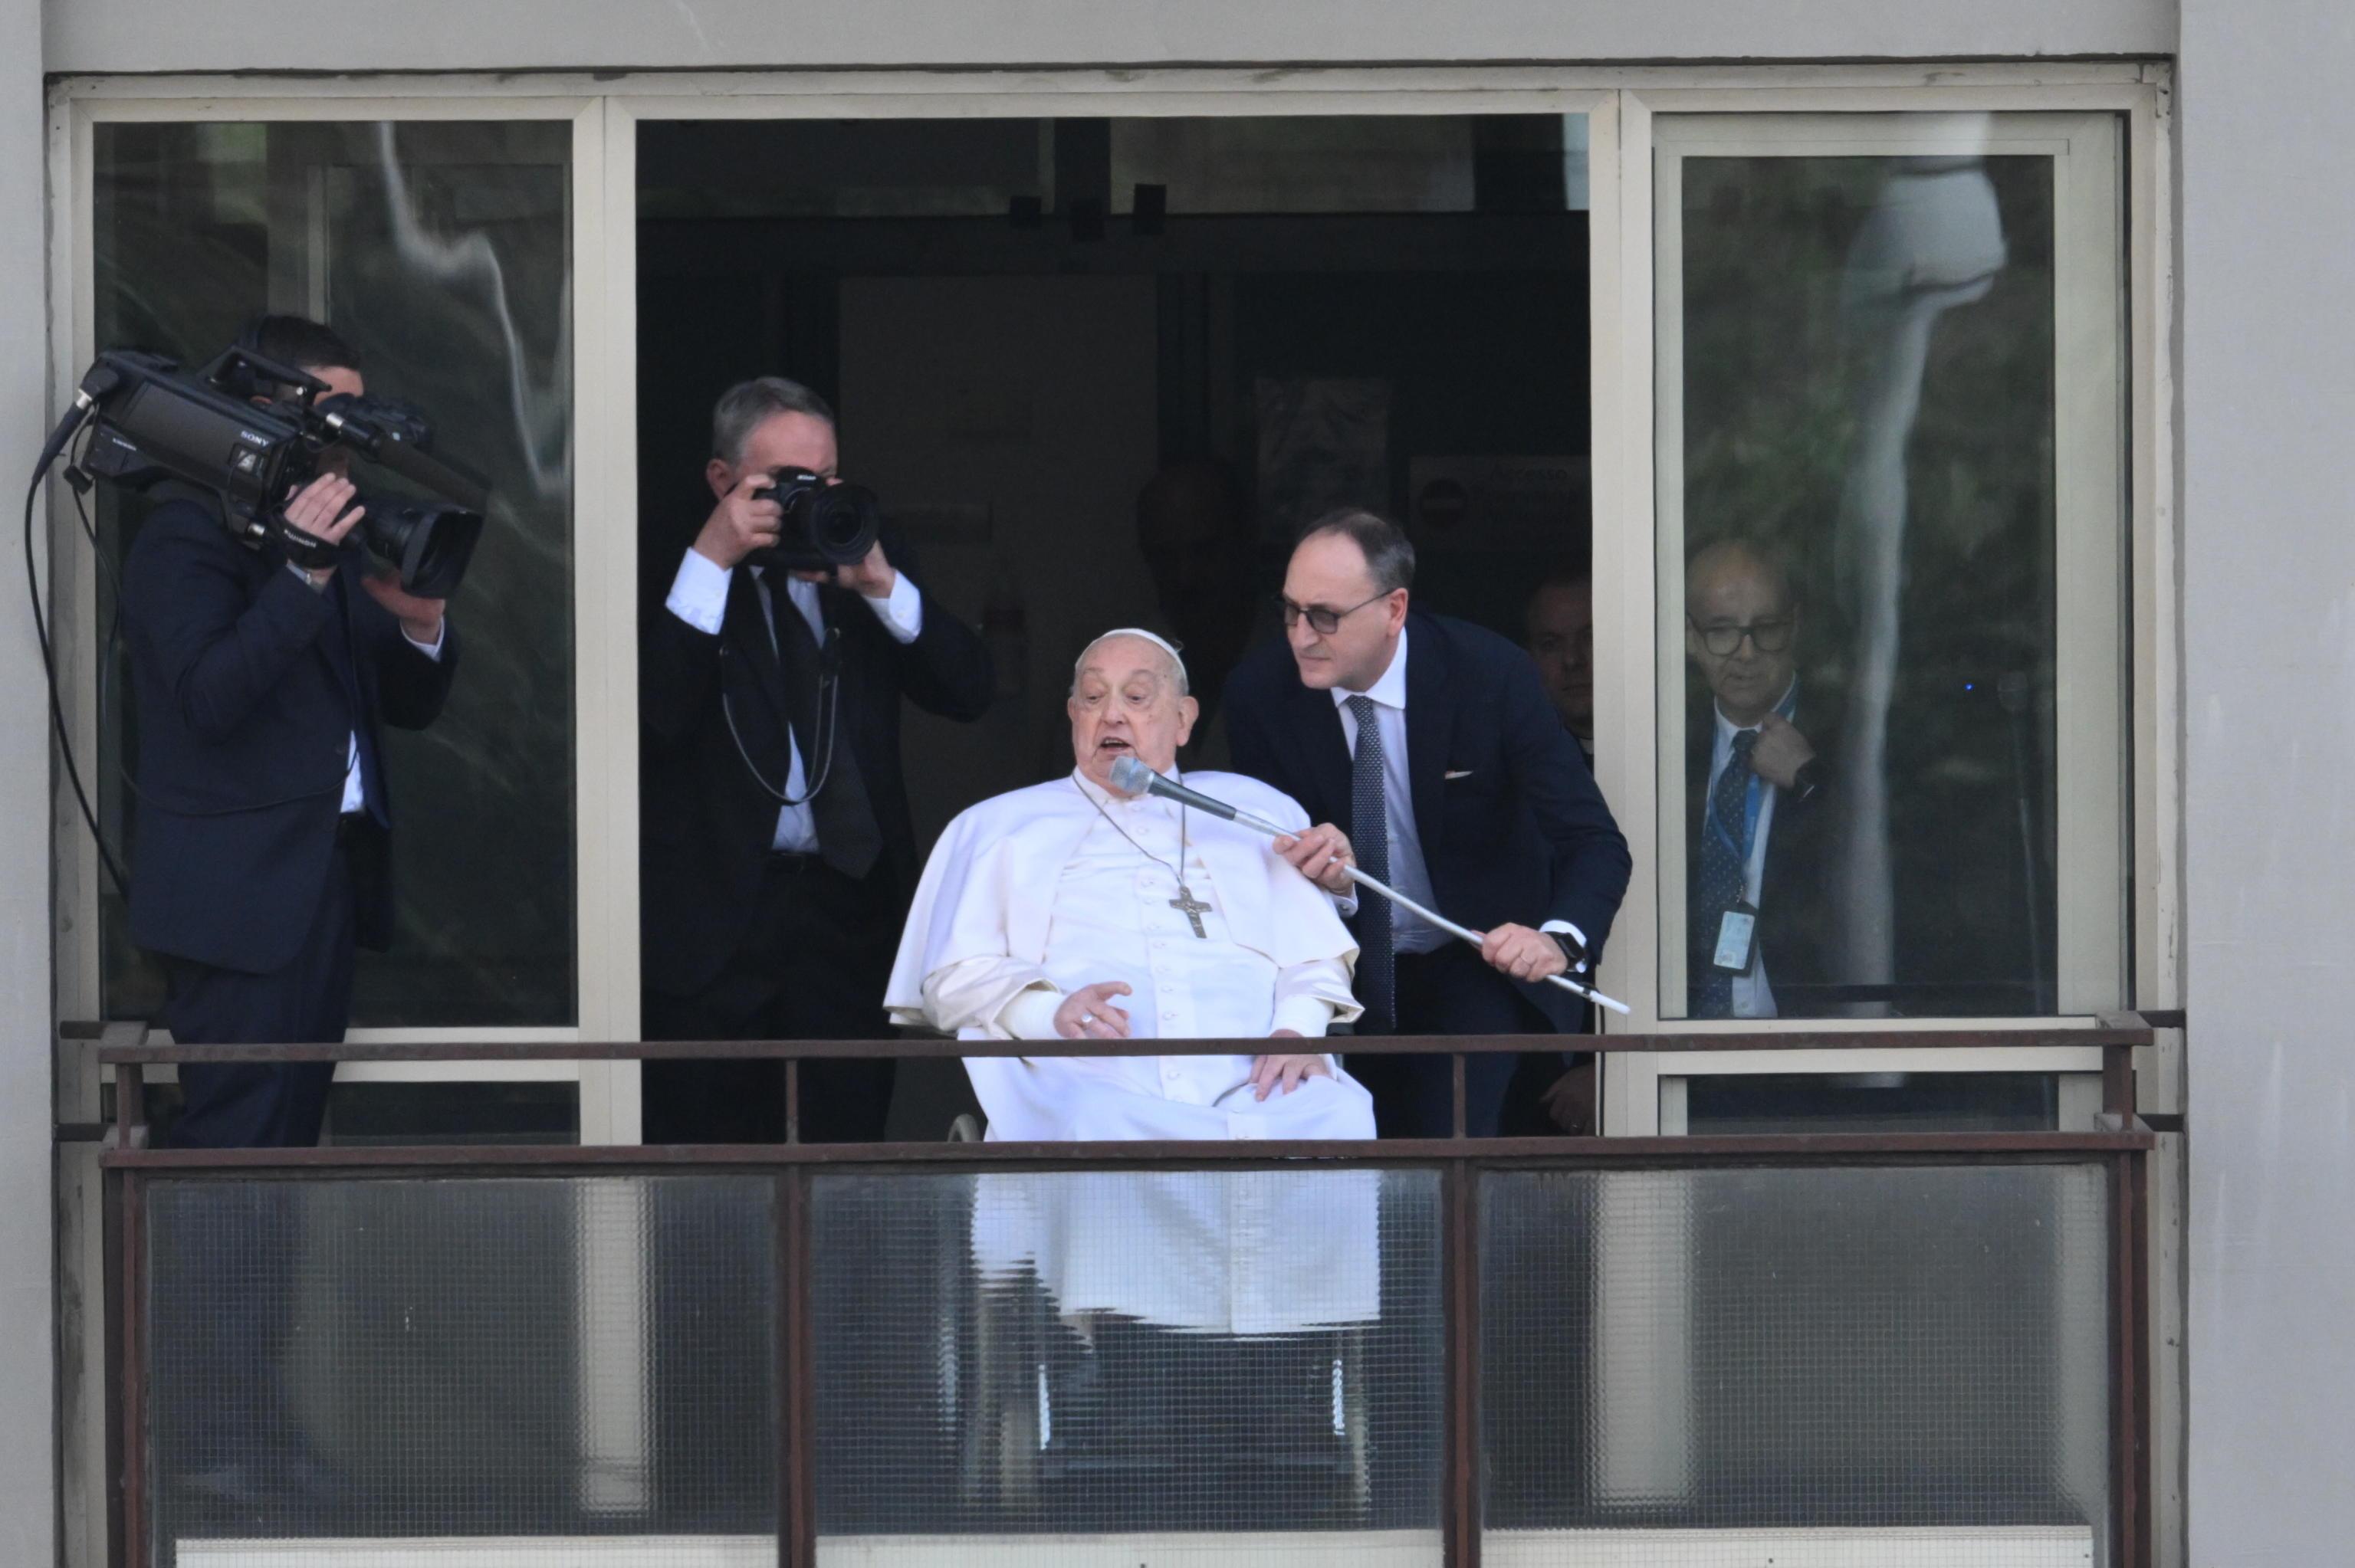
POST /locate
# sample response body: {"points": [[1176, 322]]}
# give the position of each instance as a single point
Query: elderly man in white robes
{"points": [[1069, 911]]}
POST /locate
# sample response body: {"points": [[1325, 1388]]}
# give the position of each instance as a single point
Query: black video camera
{"points": [[826, 525], [151, 421]]}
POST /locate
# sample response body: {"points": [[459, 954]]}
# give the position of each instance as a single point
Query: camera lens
{"points": [[844, 521], [432, 542]]}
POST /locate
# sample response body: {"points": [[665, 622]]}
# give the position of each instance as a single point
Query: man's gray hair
{"points": [[1168, 651], [1389, 555], [743, 407]]}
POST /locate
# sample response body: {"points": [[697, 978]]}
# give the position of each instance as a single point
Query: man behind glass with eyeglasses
{"points": [[1755, 791]]}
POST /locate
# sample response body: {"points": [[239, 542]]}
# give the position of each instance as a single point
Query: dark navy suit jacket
{"points": [[249, 686], [708, 824], [1512, 826]]}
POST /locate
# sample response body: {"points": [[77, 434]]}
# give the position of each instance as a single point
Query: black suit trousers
{"points": [[308, 1001], [1450, 990], [813, 964], [225, 1405]]}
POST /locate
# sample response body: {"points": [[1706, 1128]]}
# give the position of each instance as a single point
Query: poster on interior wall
{"points": [[1486, 503], [1324, 441]]}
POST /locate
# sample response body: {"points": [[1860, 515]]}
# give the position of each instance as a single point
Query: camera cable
{"points": [[829, 702], [57, 444]]}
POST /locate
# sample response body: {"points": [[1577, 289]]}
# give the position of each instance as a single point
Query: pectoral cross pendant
{"points": [[1193, 910]]}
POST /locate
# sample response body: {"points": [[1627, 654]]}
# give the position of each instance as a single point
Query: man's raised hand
{"points": [[1320, 853], [873, 578], [1781, 751], [1088, 1013], [740, 523], [318, 509], [420, 618]]}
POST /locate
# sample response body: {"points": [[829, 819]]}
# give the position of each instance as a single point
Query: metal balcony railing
{"points": [[1918, 1348]]}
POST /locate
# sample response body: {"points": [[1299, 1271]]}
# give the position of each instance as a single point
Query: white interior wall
{"points": [[453, 35], [2268, 376]]}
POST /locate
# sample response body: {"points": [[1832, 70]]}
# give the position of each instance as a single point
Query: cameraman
{"points": [[264, 814], [771, 912]]}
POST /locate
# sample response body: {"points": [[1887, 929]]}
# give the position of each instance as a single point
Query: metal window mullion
{"points": [[797, 1364], [1460, 1499]]}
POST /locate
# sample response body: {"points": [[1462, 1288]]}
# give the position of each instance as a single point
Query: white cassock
{"points": [[1035, 893]]}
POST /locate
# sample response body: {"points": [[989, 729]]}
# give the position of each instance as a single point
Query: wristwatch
{"points": [[1574, 952], [1810, 777]]}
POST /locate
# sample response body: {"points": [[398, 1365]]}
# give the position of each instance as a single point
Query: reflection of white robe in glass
{"points": [[1933, 242], [1033, 895]]}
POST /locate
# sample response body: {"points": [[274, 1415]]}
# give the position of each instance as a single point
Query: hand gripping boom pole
{"points": [[1131, 777]]}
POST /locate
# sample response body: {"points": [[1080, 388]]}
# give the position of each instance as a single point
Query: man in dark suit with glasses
{"points": [[1756, 788], [1435, 740]]}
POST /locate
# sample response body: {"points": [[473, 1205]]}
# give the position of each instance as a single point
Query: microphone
{"points": [[1131, 777]]}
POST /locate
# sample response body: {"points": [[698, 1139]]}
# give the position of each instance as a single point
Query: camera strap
{"points": [[307, 551]]}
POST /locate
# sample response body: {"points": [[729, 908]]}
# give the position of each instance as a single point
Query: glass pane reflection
{"points": [[441, 252], [1696, 1362], [1869, 418], [1159, 1363], [469, 1369]]}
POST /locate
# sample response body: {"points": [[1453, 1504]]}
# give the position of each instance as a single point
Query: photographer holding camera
{"points": [[778, 855], [264, 814]]}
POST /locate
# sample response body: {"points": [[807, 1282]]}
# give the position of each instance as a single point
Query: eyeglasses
{"points": [[1321, 621], [1766, 636]]}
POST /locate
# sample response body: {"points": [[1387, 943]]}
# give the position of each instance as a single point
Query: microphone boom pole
{"points": [[1132, 776]]}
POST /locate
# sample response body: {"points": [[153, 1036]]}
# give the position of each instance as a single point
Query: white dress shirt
{"points": [[1753, 996], [1409, 932], [698, 596], [355, 790]]}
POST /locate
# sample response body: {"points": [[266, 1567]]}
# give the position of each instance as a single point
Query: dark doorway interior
{"points": [[1030, 327]]}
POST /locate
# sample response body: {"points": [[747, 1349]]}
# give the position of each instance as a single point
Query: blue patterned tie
{"points": [[1724, 878], [1369, 836]]}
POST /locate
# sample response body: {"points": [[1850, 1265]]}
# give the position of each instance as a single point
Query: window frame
{"points": [[1630, 556], [1621, 105], [604, 1010]]}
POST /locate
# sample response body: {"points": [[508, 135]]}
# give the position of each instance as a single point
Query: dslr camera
{"points": [[825, 526], [150, 420]]}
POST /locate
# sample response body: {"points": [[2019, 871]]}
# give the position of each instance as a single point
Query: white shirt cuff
{"points": [[1031, 1014], [698, 594], [902, 612], [1308, 1014], [430, 650], [1345, 904], [1571, 931]]}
